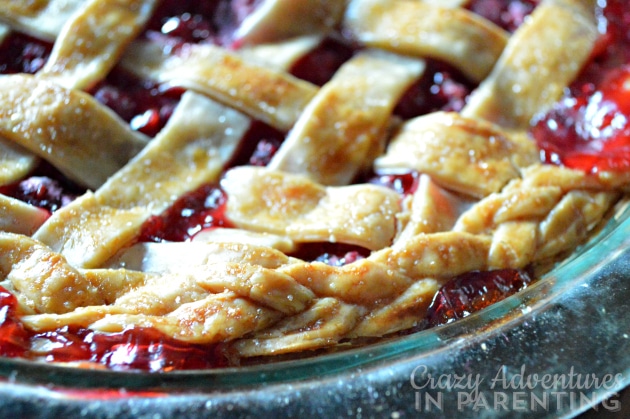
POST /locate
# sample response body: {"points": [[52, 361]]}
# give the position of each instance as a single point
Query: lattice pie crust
{"points": [[483, 202]]}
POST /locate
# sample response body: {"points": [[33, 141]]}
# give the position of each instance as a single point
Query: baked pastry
{"points": [[231, 179]]}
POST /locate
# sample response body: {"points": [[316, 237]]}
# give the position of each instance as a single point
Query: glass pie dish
{"points": [[181, 255]]}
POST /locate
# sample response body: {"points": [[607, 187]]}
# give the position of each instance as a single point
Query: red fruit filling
{"points": [[200, 209], [137, 349], [13, 336], [146, 105], [258, 145], [473, 291], [405, 183], [441, 87], [334, 254], [320, 64], [39, 191], [21, 53], [45, 188], [132, 349], [508, 14], [178, 22], [589, 129]]}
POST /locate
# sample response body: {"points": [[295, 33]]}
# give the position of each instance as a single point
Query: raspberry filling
{"points": [[404, 183], [442, 88], [200, 209], [320, 64], [145, 105], [334, 254], [14, 338]]}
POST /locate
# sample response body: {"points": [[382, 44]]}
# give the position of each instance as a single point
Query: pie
{"points": [[199, 184]]}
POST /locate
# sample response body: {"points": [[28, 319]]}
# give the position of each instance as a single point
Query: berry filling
{"points": [[333, 254], [144, 104], [508, 14], [45, 188], [405, 183], [320, 64], [131, 349], [200, 209], [442, 88], [20, 53], [258, 145], [214, 21], [13, 336], [589, 128], [473, 291], [590, 131]]}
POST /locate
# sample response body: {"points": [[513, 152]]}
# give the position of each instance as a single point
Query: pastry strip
{"points": [[87, 48], [260, 92], [281, 55], [19, 217], [533, 71], [212, 319], [191, 150], [292, 205], [431, 209], [400, 314], [324, 324], [346, 123], [173, 257], [42, 18], [216, 318], [462, 154], [15, 162], [470, 43], [284, 19], [84, 140]]}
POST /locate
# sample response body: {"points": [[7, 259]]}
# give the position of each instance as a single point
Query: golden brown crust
{"points": [[277, 20], [466, 155], [348, 119], [189, 152], [15, 162], [455, 35], [43, 18], [82, 56], [263, 93], [532, 71], [63, 126], [291, 205]]}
